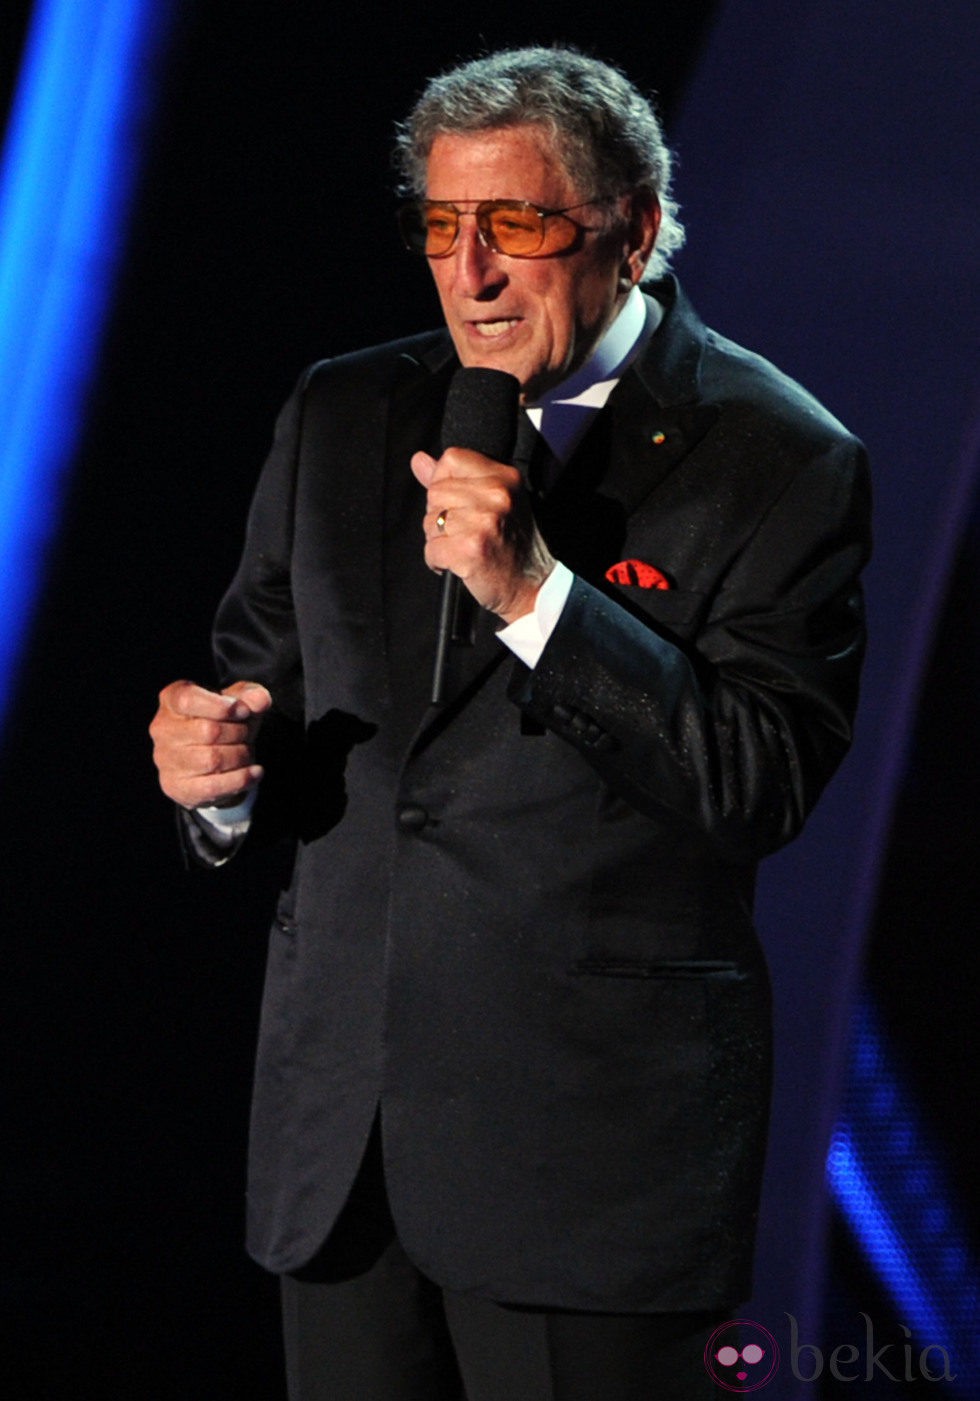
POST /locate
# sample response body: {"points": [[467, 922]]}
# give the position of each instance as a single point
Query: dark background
{"points": [[133, 984]]}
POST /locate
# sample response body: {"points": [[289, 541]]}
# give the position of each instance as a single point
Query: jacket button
{"points": [[411, 817]]}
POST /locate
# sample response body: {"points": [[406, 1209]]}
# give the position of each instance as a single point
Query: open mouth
{"points": [[492, 330]]}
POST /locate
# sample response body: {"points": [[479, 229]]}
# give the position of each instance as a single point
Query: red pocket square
{"points": [[640, 575]]}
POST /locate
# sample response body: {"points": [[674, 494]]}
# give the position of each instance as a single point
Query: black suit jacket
{"points": [[522, 923]]}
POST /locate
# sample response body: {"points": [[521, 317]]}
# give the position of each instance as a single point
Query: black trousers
{"points": [[361, 1323]]}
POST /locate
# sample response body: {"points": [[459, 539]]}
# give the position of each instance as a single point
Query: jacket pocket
{"points": [[712, 969]]}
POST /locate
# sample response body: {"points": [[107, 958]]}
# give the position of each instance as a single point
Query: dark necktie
{"points": [[532, 457]]}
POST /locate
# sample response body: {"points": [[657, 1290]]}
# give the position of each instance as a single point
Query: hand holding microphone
{"points": [[479, 527]]}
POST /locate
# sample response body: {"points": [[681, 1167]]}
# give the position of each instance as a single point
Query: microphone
{"points": [[480, 414]]}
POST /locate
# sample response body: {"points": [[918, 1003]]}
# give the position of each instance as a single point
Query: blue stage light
{"points": [[891, 1192], [69, 160]]}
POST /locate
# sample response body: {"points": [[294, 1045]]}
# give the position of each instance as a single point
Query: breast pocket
{"points": [[677, 613]]}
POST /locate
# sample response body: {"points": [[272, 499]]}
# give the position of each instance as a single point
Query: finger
{"points": [[190, 700], [475, 500], [488, 518], [435, 524], [445, 502], [454, 463], [205, 760], [457, 554], [454, 524], [170, 730], [203, 791], [198, 733], [463, 464], [178, 763]]}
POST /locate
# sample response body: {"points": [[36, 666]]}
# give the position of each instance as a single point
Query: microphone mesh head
{"points": [[481, 413]]}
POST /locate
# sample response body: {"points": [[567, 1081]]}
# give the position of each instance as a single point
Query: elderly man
{"points": [[512, 1081]]}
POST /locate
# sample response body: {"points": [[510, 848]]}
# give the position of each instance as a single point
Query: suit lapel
{"points": [[656, 415], [648, 440], [651, 423], [410, 589]]}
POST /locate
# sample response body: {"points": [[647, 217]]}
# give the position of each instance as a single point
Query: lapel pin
{"points": [[658, 439]]}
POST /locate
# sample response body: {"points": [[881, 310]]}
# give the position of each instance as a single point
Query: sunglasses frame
{"points": [[483, 211]]}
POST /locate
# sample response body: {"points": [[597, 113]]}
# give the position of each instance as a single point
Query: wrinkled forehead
{"points": [[525, 161]]}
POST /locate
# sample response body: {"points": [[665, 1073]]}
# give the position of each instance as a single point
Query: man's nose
{"points": [[477, 269]]}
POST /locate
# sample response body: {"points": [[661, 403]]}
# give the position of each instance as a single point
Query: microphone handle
{"points": [[448, 602]]}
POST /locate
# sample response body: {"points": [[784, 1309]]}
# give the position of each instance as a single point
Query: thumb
{"points": [[424, 467], [250, 694]]}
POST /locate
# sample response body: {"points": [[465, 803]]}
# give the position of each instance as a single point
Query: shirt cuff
{"points": [[227, 825], [527, 636]]}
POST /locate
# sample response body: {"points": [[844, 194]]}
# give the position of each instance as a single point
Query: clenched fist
{"points": [[203, 741]]}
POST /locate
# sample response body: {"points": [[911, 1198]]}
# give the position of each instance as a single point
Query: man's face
{"points": [[538, 318]]}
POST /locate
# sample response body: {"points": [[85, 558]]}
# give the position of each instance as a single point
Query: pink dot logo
{"points": [[741, 1356]]}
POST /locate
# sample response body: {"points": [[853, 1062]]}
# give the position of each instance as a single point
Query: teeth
{"points": [[493, 328]]}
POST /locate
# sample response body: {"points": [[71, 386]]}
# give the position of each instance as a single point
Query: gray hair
{"points": [[605, 131]]}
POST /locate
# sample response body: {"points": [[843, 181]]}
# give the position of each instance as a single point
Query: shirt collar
{"points": [[562, 415]]}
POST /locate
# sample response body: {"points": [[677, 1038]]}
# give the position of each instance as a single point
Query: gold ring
{"points": [[441, 522]]}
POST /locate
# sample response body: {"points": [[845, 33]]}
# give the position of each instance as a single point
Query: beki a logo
{"points": [[741, 1356]]}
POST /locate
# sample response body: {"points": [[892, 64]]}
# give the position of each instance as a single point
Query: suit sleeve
{"points": [[255, 638], [738, 730]]}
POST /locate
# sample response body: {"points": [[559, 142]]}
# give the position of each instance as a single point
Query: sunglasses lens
{"points": [[516, 229], [428, 228], [441, 225], [508, 226], [557, 235]]}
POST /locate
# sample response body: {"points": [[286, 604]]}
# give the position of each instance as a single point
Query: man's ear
{"points": [[644, 225]]}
